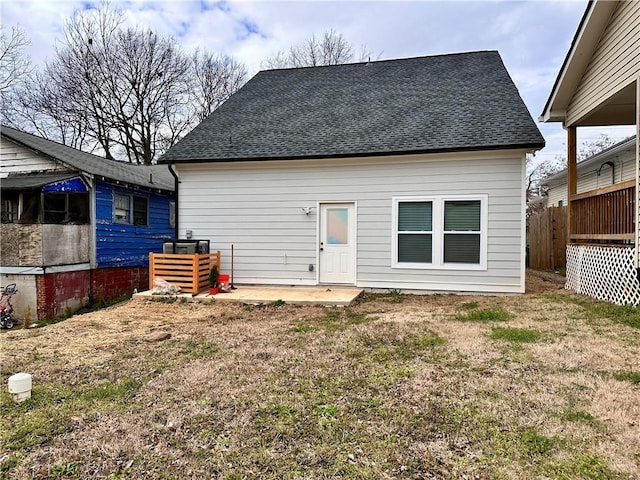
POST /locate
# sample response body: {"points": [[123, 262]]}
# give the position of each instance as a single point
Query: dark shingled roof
{"points": [[456, 102], [81, 161]]}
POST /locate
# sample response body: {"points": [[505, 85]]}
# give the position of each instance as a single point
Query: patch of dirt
{"points": [[541, 282]]}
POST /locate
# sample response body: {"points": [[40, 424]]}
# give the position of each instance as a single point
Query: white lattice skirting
{"points": [[603, 272]]}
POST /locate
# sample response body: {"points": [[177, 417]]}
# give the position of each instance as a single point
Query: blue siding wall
{"points": [[124, 245]]}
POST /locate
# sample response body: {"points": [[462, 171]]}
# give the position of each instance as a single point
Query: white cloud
{"points": [[532, 37]]}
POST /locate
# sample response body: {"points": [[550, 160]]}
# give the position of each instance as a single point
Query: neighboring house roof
{"points": [[559, 178], [20, 182], [150, 176], [442, 103]]}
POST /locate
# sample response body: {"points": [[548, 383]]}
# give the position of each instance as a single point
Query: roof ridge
{"points": [[386, 60]]}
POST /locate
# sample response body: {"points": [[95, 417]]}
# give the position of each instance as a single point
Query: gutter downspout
{"points": [[176, 183]]}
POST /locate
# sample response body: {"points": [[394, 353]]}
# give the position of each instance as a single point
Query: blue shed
{"points": [[78, 228]]}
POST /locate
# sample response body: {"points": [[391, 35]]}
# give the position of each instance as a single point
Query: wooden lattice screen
{"points": [[605, 272]]}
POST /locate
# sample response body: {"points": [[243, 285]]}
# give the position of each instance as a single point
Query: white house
{"points": [[614, 165], [402, 174]]}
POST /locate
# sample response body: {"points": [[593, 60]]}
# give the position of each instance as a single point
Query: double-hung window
{"points": [[445, 232], [131, 209], [415, 232]]}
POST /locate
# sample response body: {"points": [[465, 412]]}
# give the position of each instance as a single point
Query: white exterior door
{"points": [[337, 243]]}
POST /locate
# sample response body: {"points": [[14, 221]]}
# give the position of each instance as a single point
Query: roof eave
{"points": [[553, 116], [75, 168], [524, 147], [592, 24]]}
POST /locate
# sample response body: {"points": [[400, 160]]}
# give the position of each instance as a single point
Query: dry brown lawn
{"points": [[543, 385]]}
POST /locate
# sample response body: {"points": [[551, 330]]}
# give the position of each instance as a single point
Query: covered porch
{"points": [[599, 85]]}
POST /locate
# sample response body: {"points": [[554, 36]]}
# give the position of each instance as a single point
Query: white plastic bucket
{"points": [[20, 386]]}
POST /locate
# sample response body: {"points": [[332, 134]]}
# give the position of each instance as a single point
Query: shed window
{"points": [[172, 214], [131, 209], [121, 205], [440, 232], [140, 211]]}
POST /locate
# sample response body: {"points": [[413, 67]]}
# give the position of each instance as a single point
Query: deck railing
{"points": [[189, 271], [604, 215]]}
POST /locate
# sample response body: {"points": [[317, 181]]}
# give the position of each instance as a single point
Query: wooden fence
{"points": [[189, 272], [547, 239]]}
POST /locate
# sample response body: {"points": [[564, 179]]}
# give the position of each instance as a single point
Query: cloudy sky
{"points": [[532, 37]]}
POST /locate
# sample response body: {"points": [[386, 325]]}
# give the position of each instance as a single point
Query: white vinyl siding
{"points": [[615, 63], [258, 207], [589, 179]]}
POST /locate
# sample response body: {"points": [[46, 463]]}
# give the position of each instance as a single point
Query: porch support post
{"points": [[572, 176], [636, 260]]}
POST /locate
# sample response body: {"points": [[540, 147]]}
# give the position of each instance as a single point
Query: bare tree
{"points": [[593, 147], [126, 91], [215, 78], [15, 66], [45, 110], [332, 49], [67, 101], [150, 97], [537, 172]]}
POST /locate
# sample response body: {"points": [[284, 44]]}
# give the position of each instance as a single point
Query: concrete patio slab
{"points": [[337, 296], [325, 295]]}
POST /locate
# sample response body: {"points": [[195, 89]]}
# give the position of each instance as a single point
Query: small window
{"points": [[30, 210], [121, 208], [9, 207], [131, 209], [172, 214], [55, 207], [140, 211]]}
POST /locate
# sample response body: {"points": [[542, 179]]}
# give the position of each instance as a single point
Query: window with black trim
{"points": [[440, 232]]}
